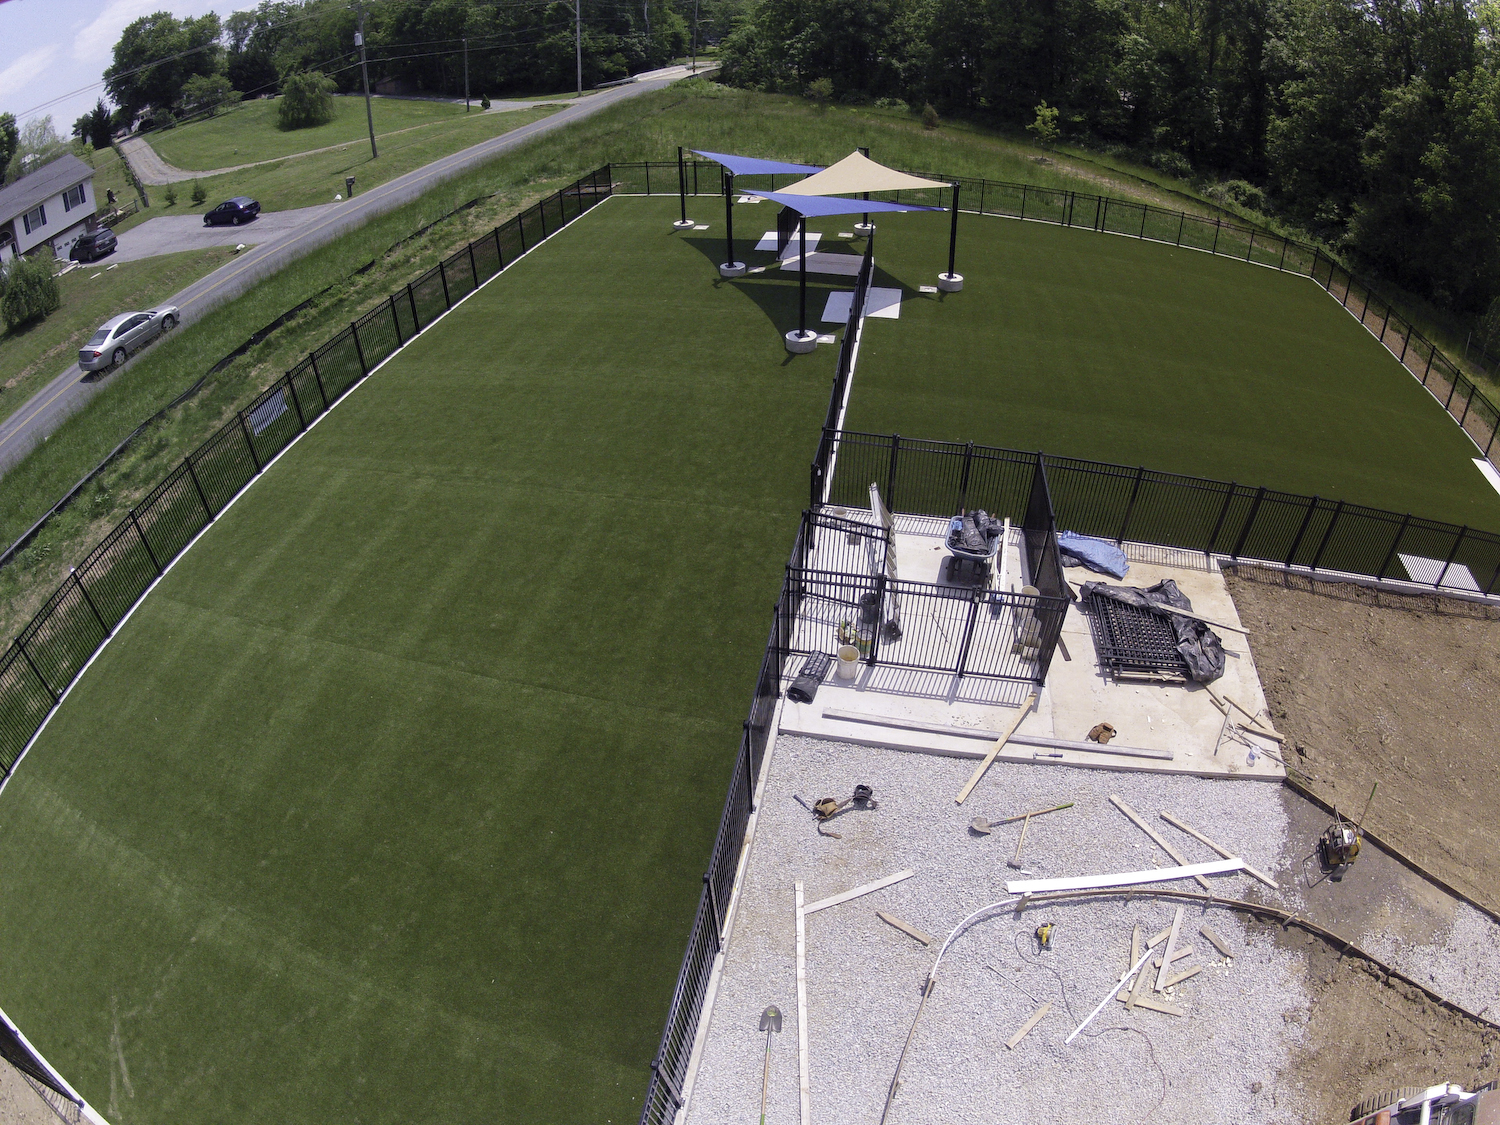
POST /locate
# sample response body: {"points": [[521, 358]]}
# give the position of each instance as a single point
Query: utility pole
{"points": [[646, 15], [578, 40], [695, 36], [364, 70], [466, 74]]}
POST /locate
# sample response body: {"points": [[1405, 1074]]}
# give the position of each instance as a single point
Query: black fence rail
{"points": [[83, 612], [1118, 502], [1443, 377]]}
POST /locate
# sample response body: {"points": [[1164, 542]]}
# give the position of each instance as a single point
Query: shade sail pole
{"points": [[802, 283], [729, 217], [952, 282], [684, 222], [865, 218]]}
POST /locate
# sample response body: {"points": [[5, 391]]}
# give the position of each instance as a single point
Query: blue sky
{"points": [[55, 51]]}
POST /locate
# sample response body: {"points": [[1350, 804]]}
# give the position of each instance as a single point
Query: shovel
{"points": [[985, 827], [770, 1020]]}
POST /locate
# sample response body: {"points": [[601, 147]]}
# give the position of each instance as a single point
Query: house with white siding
{"points": [[53, 205]]}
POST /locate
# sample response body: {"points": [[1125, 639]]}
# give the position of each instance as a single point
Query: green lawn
{"points": [[301, 181], [249, 132], [31, 355], [389, 804], [1112, 349]]}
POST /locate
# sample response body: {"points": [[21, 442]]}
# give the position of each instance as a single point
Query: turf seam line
{"points": [[21, 757]]}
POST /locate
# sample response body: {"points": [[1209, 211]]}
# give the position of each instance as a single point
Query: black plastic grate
{"points": [[1131, 641]]}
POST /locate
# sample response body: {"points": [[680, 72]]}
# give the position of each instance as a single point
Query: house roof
{"points": [[37, 187]]}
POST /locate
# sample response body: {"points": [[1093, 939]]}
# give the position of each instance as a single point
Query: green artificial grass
{"points": [[389, 804], [1113, 349]]}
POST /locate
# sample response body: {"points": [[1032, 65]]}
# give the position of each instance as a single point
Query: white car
{"points": [[123, 334]]}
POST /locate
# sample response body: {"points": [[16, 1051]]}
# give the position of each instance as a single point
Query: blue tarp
{"points": [[816, 205], [750, 166], [1097, 554]]}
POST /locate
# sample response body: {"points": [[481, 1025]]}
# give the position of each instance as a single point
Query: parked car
{"points": [[93, 244], [234, 211], [123, 334]]}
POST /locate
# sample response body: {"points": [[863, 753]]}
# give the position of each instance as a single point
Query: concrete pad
{"points": [[1179, 718], [845, 265], [768, 242], [1428, 571]]}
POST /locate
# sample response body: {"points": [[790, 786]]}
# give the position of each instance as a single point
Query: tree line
{"points": [[1372, 124]]}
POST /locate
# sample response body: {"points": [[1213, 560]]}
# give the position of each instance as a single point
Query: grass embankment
{"points": [[651, 125], [1110, 349], [435, 130], [32, 355], [425, 741], [109, 174]]}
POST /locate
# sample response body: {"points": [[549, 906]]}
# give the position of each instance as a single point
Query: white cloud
{"points": [[96, 42], [19, 74]]}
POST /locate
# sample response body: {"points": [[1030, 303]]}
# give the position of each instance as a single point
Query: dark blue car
{"points": [[232, 212]]}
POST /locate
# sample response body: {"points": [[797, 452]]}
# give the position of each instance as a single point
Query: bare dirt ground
{"points": [[1370, 686], [19, 1103]]}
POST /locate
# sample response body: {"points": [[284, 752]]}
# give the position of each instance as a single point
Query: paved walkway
{"points": [[50, 406]]}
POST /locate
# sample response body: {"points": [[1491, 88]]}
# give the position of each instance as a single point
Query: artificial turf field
{"points": [[1113, 349], [389, 803]]}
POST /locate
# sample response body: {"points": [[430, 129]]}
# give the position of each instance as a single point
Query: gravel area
{"points": [[1461, 964], [1218, 1063]]}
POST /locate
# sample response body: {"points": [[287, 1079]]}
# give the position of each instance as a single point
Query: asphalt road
{"points": [[170, 234], [54, 403]]}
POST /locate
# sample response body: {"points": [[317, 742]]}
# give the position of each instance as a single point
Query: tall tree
{"points": [[156, 55]]}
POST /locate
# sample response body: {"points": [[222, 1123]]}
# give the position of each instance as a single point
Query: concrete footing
{"points": [[864, 230], [800, 343], [684, 224], [732, 269], [950, 282]]}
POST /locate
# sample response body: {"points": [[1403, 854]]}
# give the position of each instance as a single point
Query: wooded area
{"points": [[1374, 124]]}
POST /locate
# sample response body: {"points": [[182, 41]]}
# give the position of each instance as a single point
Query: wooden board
{"points": [[1152, 1005], [878, 884], [1193, 832], [1167, 958], [908, 930], [1215, 939], [1151, 832], [989, 759], [1182, 976], [1035, 1018]]}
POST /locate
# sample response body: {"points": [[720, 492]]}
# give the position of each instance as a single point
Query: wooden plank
{"points": [[1135, 945], [1182, 976], [803, 1086], [1124, 879], [1151, 832], [989, 758], [1218, 942], [1036, 1018], [1177, 954], [1166, 959], [1154, 1005], [1161, 937], [1225, 852], [1038, 740], [1265, 727], [1198, 617], [878, 884], [908, 930]]}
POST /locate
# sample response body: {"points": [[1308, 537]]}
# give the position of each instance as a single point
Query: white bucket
{"points": [[848, 662]]}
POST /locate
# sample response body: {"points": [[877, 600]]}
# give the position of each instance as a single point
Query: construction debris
{"points": [[1125, 879], [1151, 832], [1032, 1021], [1167, 957], [1214, 939], [878, 884], [1193, 832], [905, 927], [994, 750]]}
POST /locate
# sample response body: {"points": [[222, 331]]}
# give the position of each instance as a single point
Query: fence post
{"points": [[713, 909], [1327, 535], [1104, 219], [1218, 226], [188, 461], [1451, 555], [396, 320], [1301, 531], [879, 593], [1469, 403], [1023, 201], [1096, 212], [73, 574], [473, 268], [963, 651], [1453, 389], [416, 321], [1282, 263], [443, 276], [1072, 199], [648, 177], [1144, 212], [890, 478], [1404, 343], [146, 543], [1491, 442], [1251, 248], [301, 421], [1130, 507], [1219, 524], [981, 196], [364, 368], [666, 1080], [1348, 289], [1384, 322], [963, 484], [542, 218], [313, 359], [37, 672], [521, 231], [244, 429], [1181, 220], [1260, 494], [1391, 554], [499, 253]]}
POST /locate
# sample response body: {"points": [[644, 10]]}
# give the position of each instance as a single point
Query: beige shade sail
{"points": [[857, 172]]}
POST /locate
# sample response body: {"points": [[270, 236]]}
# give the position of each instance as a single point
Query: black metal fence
{"points": [[1118, 502], [1444, 378], [81, 614]]}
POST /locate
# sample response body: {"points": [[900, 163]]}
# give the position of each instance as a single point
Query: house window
{"points": [[36, 219], [73, 197]]}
